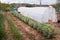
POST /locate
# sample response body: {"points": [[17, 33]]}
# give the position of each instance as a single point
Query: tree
{"points": [[6, 7], [56, 5]]}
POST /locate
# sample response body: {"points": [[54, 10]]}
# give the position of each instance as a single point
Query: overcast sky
{"points": [[48, 2]]}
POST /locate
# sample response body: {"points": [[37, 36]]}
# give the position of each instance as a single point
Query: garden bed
{"points": [[42, 28]]}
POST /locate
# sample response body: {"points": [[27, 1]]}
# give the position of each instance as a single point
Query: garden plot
{"points": [[27, 32], [19, 27], [14, 30], [46, 30]]}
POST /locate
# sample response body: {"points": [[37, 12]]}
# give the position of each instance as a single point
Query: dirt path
{"points": [[9, 34], [27, 32]]}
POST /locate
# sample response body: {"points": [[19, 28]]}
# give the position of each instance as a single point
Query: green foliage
{"points": [[31, 23], [42, 28], [46, 30], [56, 5], [6, 7], [14, 29], [2, 28], [28, 5], [58, 9], [57, 30]]}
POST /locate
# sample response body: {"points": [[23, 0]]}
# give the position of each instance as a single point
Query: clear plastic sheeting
{"points": [[40, 14]]}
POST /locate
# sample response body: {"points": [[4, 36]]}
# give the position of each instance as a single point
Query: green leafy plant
{"points": [[15, 31], [2, 28], [42, 28]]}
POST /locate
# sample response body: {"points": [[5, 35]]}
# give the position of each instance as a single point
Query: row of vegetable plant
{"points": [[42, 28], [2, 28], [15, 31]]}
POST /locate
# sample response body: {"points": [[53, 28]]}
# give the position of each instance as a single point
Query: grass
{"points": [[15, 31]]}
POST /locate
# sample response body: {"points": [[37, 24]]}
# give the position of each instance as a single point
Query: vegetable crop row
{"points": [[2, 28], [15, 31], [42, 28]]}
